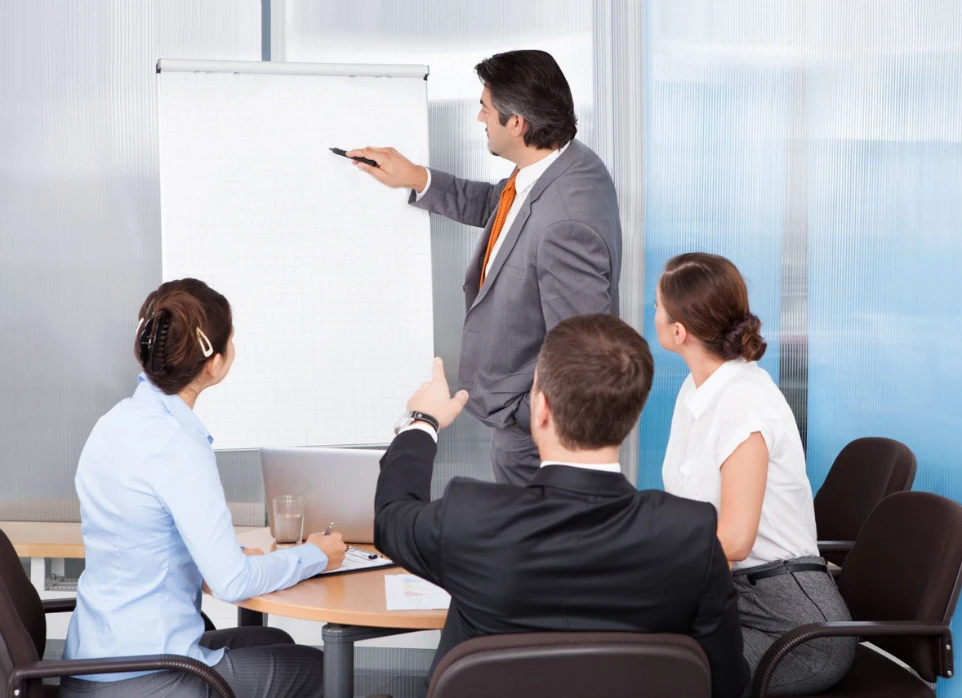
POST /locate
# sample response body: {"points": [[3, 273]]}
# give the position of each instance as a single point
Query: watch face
{"points": [[405, 419]]}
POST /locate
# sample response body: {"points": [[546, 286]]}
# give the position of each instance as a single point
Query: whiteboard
{"points": [[328, 272]]}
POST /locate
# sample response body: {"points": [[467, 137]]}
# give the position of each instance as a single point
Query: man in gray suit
{"points": [[551, 246]]}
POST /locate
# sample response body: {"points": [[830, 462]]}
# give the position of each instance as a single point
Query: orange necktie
{"points": [[504, 205]]}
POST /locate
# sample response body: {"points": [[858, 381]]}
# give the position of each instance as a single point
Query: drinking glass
{"points": [[289, 519]]}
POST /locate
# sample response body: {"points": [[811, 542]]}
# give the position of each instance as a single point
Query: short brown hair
{"points": [[530, 84], [595, 372], [168, 345], [707, 294]]}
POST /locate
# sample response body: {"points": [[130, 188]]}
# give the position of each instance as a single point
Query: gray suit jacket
{"points": [[561, 257]]}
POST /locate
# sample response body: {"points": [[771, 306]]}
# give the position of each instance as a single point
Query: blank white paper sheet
{"points": [[328, 271]]}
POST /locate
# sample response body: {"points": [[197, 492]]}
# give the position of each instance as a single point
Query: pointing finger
{"points": [[437, 370]]}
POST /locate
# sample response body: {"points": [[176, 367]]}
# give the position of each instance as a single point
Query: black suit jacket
{"points": [[576, 550]]}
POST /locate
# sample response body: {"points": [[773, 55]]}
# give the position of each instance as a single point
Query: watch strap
{"points": [[422, 417]]}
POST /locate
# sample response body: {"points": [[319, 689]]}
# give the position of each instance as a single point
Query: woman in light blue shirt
{"points": [[156, 524]]}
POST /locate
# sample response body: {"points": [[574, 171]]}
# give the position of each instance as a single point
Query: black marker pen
{"points": [[343, 154]]}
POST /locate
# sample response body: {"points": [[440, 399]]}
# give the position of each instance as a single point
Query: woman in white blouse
{"points": [[734, 443]]}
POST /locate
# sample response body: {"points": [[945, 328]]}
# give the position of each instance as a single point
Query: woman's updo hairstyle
{"points": [[707, 294], [182, 325]]}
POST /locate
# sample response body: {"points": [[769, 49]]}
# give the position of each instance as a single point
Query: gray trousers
{"points": [[514, 457], [260, 663], [772, 606]]}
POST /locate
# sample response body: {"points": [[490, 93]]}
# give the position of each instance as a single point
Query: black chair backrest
{"points": [[574, 665], [865, 472], [23, 625], [906, 565]]}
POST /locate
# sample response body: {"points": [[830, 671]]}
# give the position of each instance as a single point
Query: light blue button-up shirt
{"points": [[155, 523]]}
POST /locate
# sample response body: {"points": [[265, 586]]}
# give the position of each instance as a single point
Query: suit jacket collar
{"points": [[584, 481], [574, 150], [528, 176]]}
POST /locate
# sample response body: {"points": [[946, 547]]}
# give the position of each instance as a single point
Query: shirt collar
{"points": [[174, 406], [527, 176], [700, 398], [602, 467]]}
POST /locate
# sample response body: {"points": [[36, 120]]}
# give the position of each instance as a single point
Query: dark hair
{"points": [[169, 345], [707, 294], [531, 85], [595, 372]]}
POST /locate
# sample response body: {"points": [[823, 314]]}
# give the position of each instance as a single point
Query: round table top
{"points": [[357, 598]]}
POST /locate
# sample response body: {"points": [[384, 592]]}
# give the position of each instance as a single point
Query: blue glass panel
{"points": [[715, 179], [826, 138]]}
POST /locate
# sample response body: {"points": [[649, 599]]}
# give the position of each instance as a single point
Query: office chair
{"points": [[23, 637], [865, 472], [901, 584], [574, 665]]}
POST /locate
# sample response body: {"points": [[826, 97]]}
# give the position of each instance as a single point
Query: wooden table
{"points": [[41, 539], [44, 538], [353, 606]]}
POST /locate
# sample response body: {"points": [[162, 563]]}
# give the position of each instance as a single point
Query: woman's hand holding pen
{"points": [[331, 545]]}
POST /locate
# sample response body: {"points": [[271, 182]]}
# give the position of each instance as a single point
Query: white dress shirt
{"points": [[523, 184], [601, 467], [710, 422]]}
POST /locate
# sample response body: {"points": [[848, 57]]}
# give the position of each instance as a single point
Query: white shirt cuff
{"points": [[422, 426], [417, 197]]}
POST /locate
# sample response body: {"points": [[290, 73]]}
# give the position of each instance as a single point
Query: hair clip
{"points": [[208, 349], [146, 338], [158, 336]]}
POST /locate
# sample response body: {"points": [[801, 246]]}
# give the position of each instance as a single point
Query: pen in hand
{"points": [[331, 544], [356, 158]]}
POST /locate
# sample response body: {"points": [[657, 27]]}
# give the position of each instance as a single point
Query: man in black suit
{"points": [[579, 548]]}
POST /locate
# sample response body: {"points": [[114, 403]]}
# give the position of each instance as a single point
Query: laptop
{"points": [[338, 484]]}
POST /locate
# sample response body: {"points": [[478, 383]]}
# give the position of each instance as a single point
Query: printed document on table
{"points": [[407, 592]]}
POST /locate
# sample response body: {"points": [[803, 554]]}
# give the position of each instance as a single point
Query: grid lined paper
{"points": [[328, 271]]}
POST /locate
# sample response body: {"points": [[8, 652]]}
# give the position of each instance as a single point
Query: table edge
{"points": [[406, 620]]}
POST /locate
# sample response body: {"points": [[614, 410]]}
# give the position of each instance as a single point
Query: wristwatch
{"points": [[411, 416]]}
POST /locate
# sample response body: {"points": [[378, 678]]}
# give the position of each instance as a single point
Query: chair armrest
{"points": [[59, 605], [116, 665], [835, 546], [208, 623], [866, 629]]}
